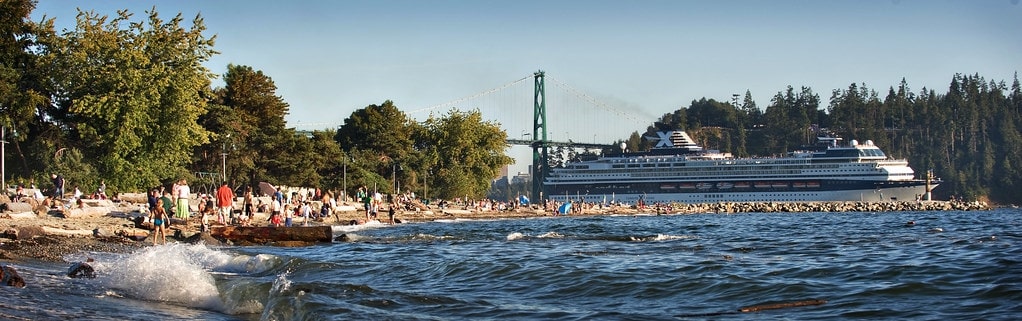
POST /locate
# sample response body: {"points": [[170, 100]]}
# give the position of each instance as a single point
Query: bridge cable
{"points": [[592, 100], [463, 99]]}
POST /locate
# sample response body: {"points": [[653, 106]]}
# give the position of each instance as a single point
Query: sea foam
{"points": [[175, 273]]}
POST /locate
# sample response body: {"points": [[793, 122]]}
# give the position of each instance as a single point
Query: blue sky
{"points": [[329, 58]]}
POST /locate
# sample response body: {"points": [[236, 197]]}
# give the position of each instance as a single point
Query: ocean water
{"points": [[862, 266]]}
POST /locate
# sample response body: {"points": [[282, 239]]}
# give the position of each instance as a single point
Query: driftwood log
{"points": [[17, 207], [137, 198], [270, 234]]}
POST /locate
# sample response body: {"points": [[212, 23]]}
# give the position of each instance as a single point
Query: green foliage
{"points": [[382, 128], [71, 164], [128, 93], [468, 151], [248, 122], [379, 137], [20, 90]]}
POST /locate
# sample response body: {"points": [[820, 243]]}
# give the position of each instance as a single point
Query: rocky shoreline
{"points": [[49, 234]]}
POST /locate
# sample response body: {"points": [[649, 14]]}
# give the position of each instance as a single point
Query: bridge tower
{"points": [[539, 144]]}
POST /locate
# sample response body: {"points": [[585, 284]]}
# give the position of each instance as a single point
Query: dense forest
{"points": [[968, 135]]}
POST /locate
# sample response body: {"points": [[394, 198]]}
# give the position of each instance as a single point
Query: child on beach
{"points": [[159, 215], [275, 219]]}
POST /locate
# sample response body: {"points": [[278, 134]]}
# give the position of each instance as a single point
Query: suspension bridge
{"points": [[586, 122]]}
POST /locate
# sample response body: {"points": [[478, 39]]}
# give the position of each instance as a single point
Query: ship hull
{"points": [[833, 191]]}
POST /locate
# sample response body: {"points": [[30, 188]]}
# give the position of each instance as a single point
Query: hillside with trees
{"points": [[968, 135]]}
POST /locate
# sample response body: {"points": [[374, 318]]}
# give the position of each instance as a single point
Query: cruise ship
{"points": [[679, 170]]}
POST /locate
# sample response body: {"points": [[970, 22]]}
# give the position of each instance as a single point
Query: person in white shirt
{"points": [[181, 194]]}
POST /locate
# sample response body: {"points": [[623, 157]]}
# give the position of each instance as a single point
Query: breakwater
{"points": [[682, 208], [773, 207]]}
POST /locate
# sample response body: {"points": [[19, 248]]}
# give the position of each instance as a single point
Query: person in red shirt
{"points": [[225, 201]]}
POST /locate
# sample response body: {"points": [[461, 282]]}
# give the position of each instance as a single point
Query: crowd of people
{"points": [[58, 195], [223, 207]]}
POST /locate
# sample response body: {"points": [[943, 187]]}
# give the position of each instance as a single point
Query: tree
{"points": [[251, 124], [469, 153], [127, 94], [383, 128], [380, 139], [21, 92], [634, 143]]}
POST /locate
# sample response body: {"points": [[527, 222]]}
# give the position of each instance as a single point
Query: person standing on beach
{"points": [[167, 204], [275, 217], [58, 186], [289, 214], [377, 203], [247, 208], [153, 199], [159, 219], [275, 208], [327, 205], [181, 195], [391, 213], [367, 201], [225, 200], [101, 191]]}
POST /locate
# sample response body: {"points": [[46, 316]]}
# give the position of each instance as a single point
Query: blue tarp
{"points": [[564, 208]]}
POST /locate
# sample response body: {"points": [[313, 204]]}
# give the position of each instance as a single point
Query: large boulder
{"points": [[81, 270], [9, 276], [203, 238]]}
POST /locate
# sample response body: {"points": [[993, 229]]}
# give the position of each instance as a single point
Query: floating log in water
{"points": [[758, 308], [268, 234], [775, 306]]}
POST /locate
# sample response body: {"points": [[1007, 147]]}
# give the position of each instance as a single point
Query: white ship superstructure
{"points": [[678, 170]]}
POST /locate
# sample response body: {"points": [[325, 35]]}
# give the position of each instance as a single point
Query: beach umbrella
{"points": [[267, 189]]}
